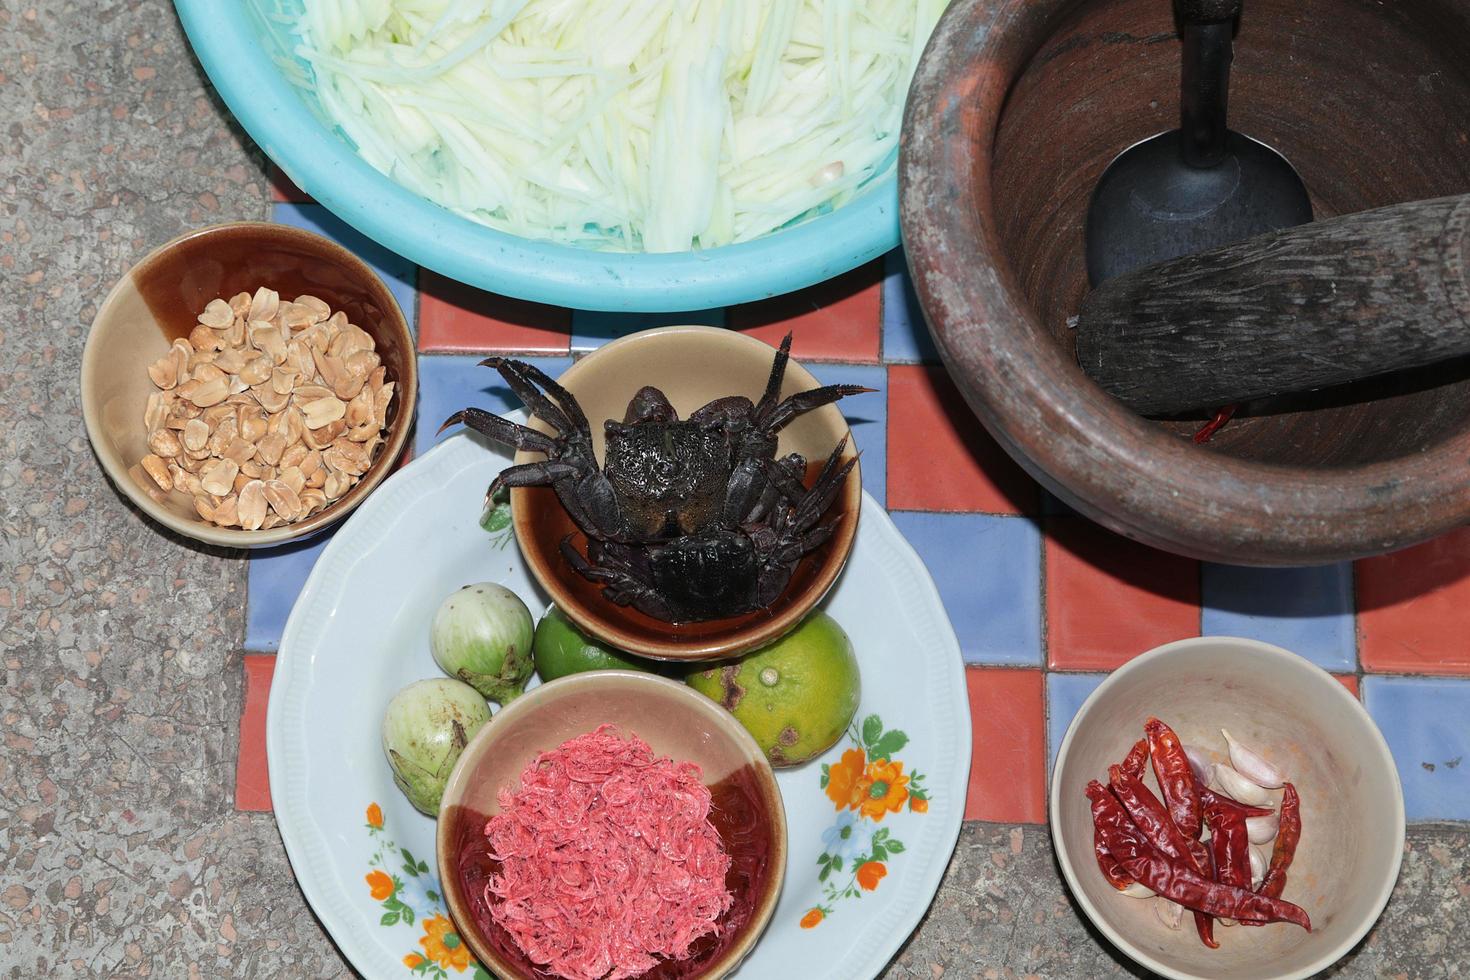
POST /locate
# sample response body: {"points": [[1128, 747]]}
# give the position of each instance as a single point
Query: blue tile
{"points": [[988, 569], [867, 414], [591, 328], [1064, 696], [1306, 610], [400, 274], [1424, 723], [906, 339], [448, 383], [276, 577]]}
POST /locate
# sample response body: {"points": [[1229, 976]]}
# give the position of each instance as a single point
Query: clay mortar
{"points": [[1017, 108]]}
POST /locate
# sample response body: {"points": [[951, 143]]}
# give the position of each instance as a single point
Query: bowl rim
{"points": [[318, 162], [757, 633], [661, 687], [1344, 697], [1208, 505], [198, 530]]}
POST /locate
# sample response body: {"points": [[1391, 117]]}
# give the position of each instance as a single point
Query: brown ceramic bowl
{"points": [[160, 299], [693, 366], [1303, 720], [1017, 108], [676, 722]]}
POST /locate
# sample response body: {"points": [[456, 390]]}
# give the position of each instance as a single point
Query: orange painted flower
{"points": [[412, 960], [843, 778], [918, 805], [375, 816], [882, 789], [870, 874], [812, 918], [443, 945], [380, 884]]}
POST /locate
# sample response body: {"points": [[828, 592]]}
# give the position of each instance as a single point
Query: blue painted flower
{"points": [[848, 838]]}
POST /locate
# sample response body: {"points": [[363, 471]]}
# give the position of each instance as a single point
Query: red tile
{"points": [[1109, 599], [1414, 608], [1349, 681], [282, 189], [252, 775], [939, 455], [459, 318], [1008, 751], [838, 320]]}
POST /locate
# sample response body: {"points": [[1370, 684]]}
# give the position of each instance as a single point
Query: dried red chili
{"points": [[1208, 797], [1215, 424], [1287, 836], [1127, 844], [1229, 845], [1137, 759], [1149, 815], [1176, 778], [1110, 868]]}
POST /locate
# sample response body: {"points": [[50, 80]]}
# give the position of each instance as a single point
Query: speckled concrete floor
{"points": [[120, 851]]}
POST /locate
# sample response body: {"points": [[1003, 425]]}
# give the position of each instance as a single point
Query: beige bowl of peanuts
{"points": [[248, 383]]}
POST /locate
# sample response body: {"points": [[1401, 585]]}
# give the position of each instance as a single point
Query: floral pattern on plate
{"points": [[865, 785], [443, 950], [360, 632]]}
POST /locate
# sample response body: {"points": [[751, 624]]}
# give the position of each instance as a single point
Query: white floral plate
{"points": [[872, 824]]}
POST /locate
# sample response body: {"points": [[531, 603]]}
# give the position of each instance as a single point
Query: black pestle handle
{"points": [[1207, 28], [1293, 310]]}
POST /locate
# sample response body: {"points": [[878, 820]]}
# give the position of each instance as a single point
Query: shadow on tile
{"points": [[941, 458], [1441, 565], [1306, 610]]}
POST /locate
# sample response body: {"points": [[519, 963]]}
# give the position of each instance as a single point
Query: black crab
{"points": [[690, 519]]}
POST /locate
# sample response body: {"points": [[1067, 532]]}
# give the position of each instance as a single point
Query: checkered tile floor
{"points": [[1044, 601]]}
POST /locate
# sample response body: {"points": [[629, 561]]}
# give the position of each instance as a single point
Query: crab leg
{"points": [[773, 384], [811, 504], [805, 401], [794, 466], [746, 489], [540, 474], [539, 404], [563, 398], [620, 585], [815, 502], [785, 481], [503, 430], [790, 553]]}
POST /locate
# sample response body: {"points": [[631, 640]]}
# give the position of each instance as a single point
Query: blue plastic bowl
{"points": [[247, 48]]}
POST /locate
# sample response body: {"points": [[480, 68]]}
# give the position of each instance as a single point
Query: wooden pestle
{"points": [[1293, 310]]}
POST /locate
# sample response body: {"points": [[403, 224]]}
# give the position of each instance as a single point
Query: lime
{"points": [[560, 648], [796, 696]]}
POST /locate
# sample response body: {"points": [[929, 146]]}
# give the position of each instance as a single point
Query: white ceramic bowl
{"points": [[1303, 719]]}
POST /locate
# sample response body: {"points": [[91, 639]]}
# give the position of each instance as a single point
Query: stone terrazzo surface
{"points": [[121, 853]]}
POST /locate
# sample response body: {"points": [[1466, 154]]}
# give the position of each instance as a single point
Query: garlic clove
{"points": [[1262, 830], [1171, 914], [1238, 788], [1199, 762], [1135, 890], [1252, 765], [1258, 866]]}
